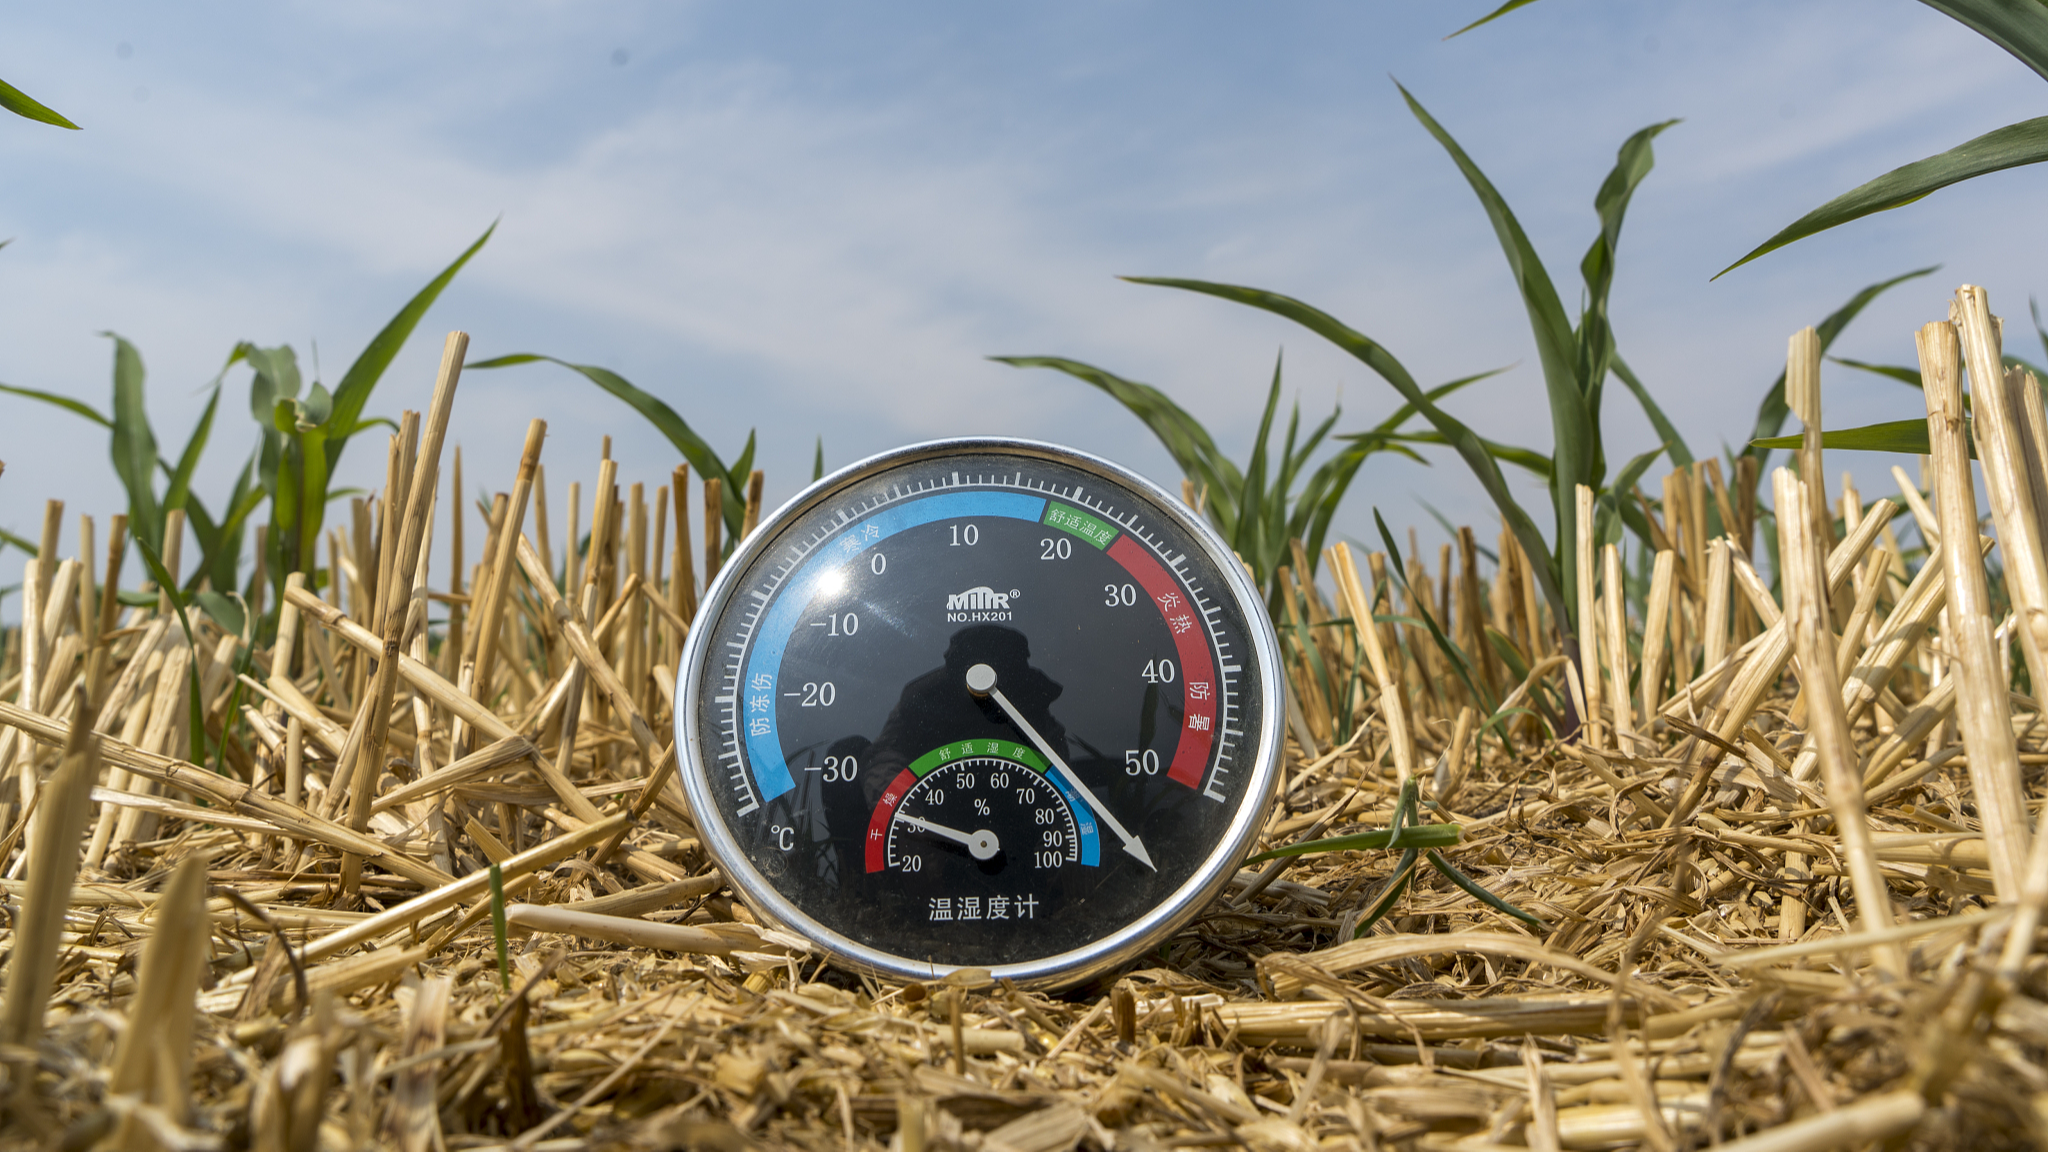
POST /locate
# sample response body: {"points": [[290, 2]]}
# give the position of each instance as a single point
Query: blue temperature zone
{"points": [[1084, 818], [823, 571]]}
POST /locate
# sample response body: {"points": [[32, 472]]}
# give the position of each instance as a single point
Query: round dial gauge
{"points": [[980, 703]]}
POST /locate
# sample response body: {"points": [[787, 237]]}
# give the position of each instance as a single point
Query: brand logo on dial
{"points": [[977, 605], [983, 598]]}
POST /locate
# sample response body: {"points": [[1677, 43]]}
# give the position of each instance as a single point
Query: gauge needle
{"points": [[981, 680], [981, 845]]}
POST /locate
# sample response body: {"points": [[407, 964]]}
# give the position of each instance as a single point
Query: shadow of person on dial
{"points": [[936, 708]]}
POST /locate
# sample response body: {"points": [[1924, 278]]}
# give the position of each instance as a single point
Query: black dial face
{"points": [[978, 710]]}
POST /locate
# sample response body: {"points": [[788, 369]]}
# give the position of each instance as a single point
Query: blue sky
{"points": [[820, 219]]}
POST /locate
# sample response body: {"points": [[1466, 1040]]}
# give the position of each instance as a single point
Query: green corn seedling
{"points": [[665, 419], [2018, 26], [302, 438], [1258, 508], [300, 443], [1418, 842], [1575, 360]]}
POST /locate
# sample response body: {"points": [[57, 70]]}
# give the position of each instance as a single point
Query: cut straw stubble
{"points": [[153, 1059], [1806, 610], [422, 678], [477, 764], [1856, 632], [2003, 449], [288, 820], [53, 527], [1923, 516], [1856, 1125], [1802, 396], [1983, 711], [752, 517], [1755, 590], [411, 1123], [1603, 889], [58, 825], [453, 892], [1663, 575], [2024, 395], [411, 492], [714, 526], [1714, 625], [1587, 669], [1393, 697], [1614, 630], [496, 582], [598, 668], [1768, 655], [429, 683], [628, 930]]}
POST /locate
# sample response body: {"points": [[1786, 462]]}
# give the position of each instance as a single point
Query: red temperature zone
{"points": [[1191, 644], [878, 825]]}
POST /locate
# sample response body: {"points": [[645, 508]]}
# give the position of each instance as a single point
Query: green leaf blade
{"points": [[76, 407], [498, 926], [1369, 352], [1772, 411], [362, 376], [196, 714], [28, 108], [2013, 146], [1575, 432], [665, 419], [2018, 26], [188, 460], [1907, 436], [1907, 376], [1478, 891], [134, 444], [1413, 836], [1490, 17], [1183, 436], [1681, 456], [1556, 347]]}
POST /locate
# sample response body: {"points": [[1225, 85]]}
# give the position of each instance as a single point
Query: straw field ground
{"points": [[396, 858]]}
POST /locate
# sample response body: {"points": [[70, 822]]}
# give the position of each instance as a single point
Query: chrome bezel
{"points": [[1076, 965]]}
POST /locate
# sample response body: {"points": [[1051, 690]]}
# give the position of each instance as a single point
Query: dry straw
{"points": [[1983, 711], [1781, 905]]}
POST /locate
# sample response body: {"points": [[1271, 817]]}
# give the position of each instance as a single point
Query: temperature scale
{"points": [[981, 703]]}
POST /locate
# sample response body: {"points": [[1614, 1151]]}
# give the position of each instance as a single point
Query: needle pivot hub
{"points": [[981, 680]]}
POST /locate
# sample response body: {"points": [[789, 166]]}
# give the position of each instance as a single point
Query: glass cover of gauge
{"points": [[980, 703]]}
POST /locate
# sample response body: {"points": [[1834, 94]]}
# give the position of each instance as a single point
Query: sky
{"points": [[817, 221]]}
